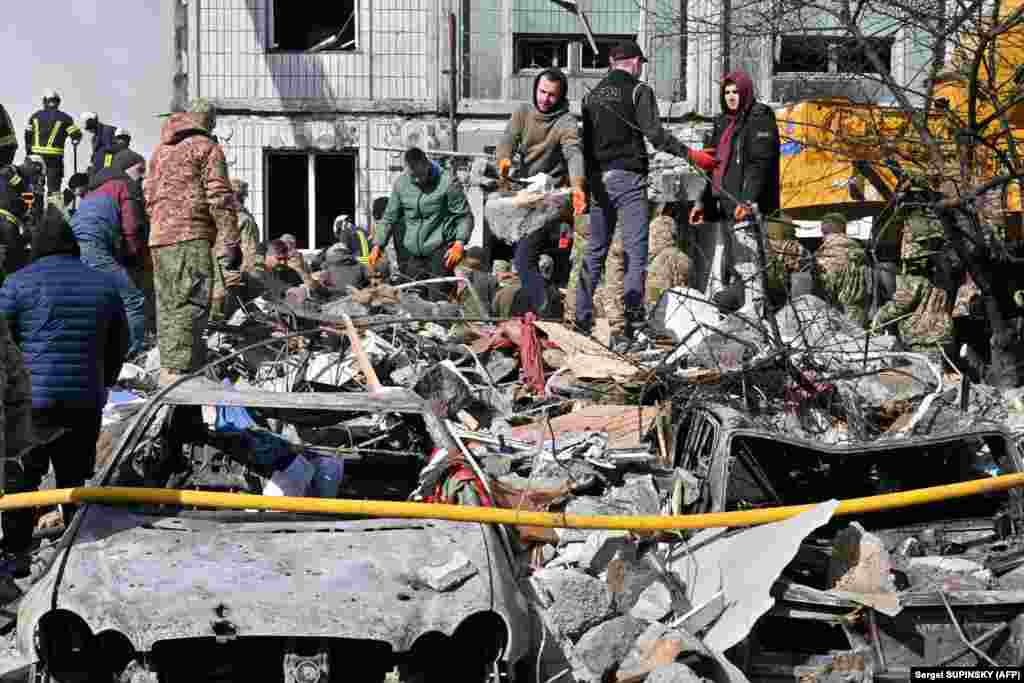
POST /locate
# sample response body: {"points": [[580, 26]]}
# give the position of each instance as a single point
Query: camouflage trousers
{"points": [[183, 278], [218, 290], [612, 292]]}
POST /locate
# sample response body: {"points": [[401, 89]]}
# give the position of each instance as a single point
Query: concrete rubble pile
{"points": [[556, 422]]}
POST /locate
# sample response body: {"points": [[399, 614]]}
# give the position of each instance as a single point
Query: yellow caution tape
{"points": [[486, 515]]}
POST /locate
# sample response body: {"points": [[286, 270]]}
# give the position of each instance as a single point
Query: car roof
{"points": [[202, 391], [737, 424]]}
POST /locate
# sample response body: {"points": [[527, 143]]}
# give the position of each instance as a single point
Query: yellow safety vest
{"points": [[50, 148], [364, 248]]}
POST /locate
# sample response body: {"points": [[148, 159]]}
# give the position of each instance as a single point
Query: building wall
{"points": [[246, 138], [396, 58], [403, 50]]}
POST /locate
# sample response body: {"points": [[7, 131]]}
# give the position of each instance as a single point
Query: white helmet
{"points": [[122, 133], [88, 116], [50, 94]]}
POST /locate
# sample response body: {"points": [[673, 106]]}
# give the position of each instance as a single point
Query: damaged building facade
{"points": [[308, 99]]}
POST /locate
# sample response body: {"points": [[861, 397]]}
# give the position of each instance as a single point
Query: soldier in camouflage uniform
{"points": [[668, 267], [926, 289], [784, 257], [192, 207], [839, 263], [248, 231]]}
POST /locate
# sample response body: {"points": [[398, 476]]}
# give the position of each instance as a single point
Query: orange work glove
{"points": [[701, 160], [453, 257], [579, 197], [374, 256], [504, 165], [742, 212], [696, 215]]}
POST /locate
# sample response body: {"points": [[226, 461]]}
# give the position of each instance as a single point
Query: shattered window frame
{"points": [[153, 424], [283, 7], [801, 54], [832, 459], [523, 41]]}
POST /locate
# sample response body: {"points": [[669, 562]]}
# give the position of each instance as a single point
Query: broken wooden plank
{"points": [[625, 425], [587, 358]]}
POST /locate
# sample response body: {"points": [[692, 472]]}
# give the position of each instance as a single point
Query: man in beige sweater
{"points": [[545, 136]]}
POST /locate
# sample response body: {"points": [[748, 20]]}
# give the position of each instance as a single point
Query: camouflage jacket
{"points": [[783, 257], [836, 252], [188, 193], [668, 266], [16, 417], [249, 237], [840, 270], [920, 234], [928, 309]]}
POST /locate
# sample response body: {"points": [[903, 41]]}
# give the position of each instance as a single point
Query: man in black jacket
{"points": [[618, 114], [746, 142]]}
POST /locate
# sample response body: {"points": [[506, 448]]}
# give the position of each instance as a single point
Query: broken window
{"points": [[852, 58], [541, 52], [765, 472], [547, 31], [820, 54], [179, 451], [330, 28], [305, 191], [802, 54]]}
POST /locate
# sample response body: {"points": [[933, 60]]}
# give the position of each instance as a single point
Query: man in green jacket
{"points": [[431, 205]]}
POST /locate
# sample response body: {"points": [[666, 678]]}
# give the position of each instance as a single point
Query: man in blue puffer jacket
{"points": [[107, 227], [70, 324]]}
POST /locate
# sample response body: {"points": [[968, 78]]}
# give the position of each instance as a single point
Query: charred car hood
{"points": [[154, 579]]}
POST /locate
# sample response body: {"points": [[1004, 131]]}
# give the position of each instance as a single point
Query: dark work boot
{"points": [[633, 336], [584, 327]]}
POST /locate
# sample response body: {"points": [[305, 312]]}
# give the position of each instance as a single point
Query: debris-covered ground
{"points": [[715, 414]]}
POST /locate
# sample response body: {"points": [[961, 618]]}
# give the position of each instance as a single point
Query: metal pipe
{"points": [[482, 515], [453, 81]]}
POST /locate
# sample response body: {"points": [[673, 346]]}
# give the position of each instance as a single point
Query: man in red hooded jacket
{"points": [[746, 142]]}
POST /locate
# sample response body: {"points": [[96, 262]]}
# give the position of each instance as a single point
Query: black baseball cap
{"points": [[627, 49]]}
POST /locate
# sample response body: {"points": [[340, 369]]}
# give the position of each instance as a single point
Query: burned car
{"points": [[173, 593], [948, 585]]}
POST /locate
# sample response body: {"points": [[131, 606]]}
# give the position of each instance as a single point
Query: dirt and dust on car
{"points": [[384, 396]]}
